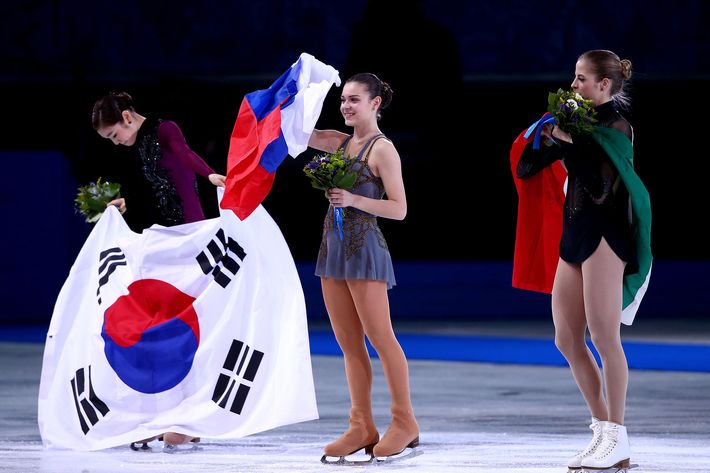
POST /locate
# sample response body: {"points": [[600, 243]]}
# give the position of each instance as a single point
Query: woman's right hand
{"points": [[556, 133], [217, 179], [120, 203]]}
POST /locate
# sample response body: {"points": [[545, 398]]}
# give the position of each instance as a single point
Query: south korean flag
{"points": [[198, 328]]}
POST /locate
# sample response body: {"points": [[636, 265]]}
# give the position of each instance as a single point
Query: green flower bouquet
{"points": [[91, 199], [573, 114], [329, 171]]}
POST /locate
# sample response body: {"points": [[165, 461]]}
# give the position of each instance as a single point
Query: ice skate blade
{"points": [[613, 469], [345, 461], [184, 448], [406, 454], [142, 448]]}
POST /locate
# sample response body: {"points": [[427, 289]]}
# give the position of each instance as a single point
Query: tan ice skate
{"points": [[362, 434]]}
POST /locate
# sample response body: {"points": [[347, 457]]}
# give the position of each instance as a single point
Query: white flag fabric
{"points": [[298, 119], [198, 329], [273, 123]]}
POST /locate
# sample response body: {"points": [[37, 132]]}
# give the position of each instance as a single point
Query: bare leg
{"points": [[358, 370], [370, 298], [603, 274], [568, 314]]}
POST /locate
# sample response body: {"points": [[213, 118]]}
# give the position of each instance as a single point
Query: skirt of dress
{"points": [[362, 253]]}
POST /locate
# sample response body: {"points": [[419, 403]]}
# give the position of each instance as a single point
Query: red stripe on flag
{"points": [[247, 182], [244, 196], [539, 228]]}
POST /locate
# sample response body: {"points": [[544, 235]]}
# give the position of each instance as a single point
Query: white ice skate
{"points": [[575, 463], [140, 448], [613, 454], [144, 447]]}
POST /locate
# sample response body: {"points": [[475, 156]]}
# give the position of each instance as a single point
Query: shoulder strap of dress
{"points": [[345, 142], [368, 146]]}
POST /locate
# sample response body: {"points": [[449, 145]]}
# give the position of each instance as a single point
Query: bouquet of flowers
{"points": [[91, 199], [332, 170], [573, 114]]}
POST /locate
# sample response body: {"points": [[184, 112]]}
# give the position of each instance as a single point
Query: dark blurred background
{"points": [[468, 76]]}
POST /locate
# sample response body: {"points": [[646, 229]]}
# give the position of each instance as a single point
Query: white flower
{"points": [[577, 96], [572, 104]]}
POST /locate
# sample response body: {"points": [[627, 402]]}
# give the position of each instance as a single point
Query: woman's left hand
{"points": [[340, 197], [217, 179]]}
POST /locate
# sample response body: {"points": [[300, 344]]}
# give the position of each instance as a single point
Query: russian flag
{"points": [[271, 124]]}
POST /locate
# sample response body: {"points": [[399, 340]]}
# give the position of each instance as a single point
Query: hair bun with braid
{"points": [[625, 69], [108, 110]]}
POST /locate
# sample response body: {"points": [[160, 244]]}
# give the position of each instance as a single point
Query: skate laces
{"points": [[611, 438], [596, 440]]}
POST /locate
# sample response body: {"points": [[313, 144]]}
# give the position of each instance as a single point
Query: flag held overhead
{"points": [[271, 124]]}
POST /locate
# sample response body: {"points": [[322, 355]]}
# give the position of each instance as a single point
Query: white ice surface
{"points": [[443, 452], [473, 418]]}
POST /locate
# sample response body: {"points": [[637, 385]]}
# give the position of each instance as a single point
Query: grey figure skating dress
{"points": [[363, 252]]}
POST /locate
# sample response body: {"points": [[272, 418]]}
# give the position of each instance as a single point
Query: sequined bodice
{"points": [[356, 223], [150, 154], [366, 184], [594, 182]]}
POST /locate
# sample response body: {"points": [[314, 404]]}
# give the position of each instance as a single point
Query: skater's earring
{"points": [[126, 115]]}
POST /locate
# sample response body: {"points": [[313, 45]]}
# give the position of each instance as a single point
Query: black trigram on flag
{"points": [[109, 260], [241, 363], [221, 258], [88, 405]]}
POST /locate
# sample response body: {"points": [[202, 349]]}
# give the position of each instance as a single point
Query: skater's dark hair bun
{"points": [[108, 109], [376, 88]]}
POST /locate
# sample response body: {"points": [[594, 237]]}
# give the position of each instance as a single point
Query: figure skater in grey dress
{"points": [[356, 271]]}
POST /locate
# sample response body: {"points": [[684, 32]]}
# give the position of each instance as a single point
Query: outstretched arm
{"points": [[171, 136], [326, 140]]}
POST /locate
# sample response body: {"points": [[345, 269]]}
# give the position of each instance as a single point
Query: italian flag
{"points": [[539, 225]]}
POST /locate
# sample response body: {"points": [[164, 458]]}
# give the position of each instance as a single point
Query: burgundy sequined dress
{"points": [[170, 168]]}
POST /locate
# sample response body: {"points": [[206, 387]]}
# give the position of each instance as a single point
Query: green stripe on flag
{"points": [[621, 153]]}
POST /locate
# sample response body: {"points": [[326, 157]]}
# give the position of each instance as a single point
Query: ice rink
{"points": [[474, 417]]}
